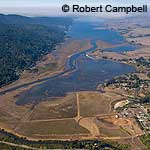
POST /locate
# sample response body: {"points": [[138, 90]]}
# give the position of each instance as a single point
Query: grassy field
{"points": [[94, 103], [146, 140], [112, 132], [48, 128], [56, 108], [108, 128]]}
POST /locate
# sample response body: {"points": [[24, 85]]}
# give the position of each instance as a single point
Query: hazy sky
{"points": [[14, 3], [53, 7]]}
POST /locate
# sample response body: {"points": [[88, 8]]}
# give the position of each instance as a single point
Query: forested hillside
{"points": [[24, 40]]}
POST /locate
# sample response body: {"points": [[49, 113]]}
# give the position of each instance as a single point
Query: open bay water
{"points": [[81, 30], [82, 73]]}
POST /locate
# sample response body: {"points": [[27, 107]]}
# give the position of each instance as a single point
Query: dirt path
{"points": [[137, 144], [120, 138], [24, 118], [78, 108], [48, 120], [89, 124]]}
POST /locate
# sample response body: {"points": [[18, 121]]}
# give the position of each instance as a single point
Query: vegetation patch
{"points": [[25, 40], [146, 140], [47, 128]]}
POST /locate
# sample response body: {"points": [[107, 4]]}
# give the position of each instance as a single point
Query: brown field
{"points": [[139, 35], [46, 128], [102, 44], [140, 40], [94, 103], [138, 31], [56, 108], [129, 125], [76, 114], [135, 143], [110, 55], [143, 52], [111, 126], [90, 125], [112, 132]]}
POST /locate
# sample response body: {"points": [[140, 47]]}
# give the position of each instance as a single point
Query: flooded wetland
{"points": [[82, 73]]}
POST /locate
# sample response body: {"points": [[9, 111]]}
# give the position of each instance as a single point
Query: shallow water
{"points": [[124, 48], [89, 74], [82, 30], [83, 74]]}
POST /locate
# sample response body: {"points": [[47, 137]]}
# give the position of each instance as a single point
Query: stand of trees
{"points": [[146, 140], [24, 40], [55, 144]]}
